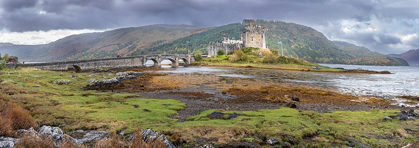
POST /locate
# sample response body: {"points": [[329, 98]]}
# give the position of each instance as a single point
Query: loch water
{"points": [[404, 80]]}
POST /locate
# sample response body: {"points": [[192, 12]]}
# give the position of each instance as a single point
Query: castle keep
{"points": [[252, 36]]}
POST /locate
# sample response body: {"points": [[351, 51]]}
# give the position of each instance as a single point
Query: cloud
{"points": [[39, 37], [376, 24]]}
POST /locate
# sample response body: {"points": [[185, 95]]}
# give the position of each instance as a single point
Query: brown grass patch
{"points": [[279, 94], [14, 117], [138, 142], [112, 142], [33, 141]]}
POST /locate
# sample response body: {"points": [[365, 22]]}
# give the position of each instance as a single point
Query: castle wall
{"points": [[214, 48]]}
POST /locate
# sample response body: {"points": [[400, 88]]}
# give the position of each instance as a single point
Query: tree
{"points": [[6, 57], [198, 56], [221, 52], [3, 64]]}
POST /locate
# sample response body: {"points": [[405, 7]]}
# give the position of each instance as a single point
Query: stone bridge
{"points": [[121, 62]]}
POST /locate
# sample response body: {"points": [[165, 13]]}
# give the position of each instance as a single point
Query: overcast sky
{"points": [[387, 26]]}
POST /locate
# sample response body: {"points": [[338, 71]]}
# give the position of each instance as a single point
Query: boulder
{"points": [[292, 104], [387, 118], [149, 134], [123, 74], [295, 98], [92, 81], [56, 134], [28, 131], [7, 142], [92, 136], [61, 82], [272, 141], [408, 115]]}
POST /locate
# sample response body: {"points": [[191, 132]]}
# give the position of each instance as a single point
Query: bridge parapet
{"points": [[120, 62]]}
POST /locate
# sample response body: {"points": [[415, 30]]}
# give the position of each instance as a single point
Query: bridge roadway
{"points": [[121, 62]]}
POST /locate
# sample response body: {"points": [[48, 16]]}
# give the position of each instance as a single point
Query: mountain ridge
{"points": [[298, 41], [411, 56]]}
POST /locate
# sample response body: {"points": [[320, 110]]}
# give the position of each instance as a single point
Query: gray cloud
{"points": [[391, 19]]}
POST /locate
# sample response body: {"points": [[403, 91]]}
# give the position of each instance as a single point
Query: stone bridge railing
{"points": [[121, 62]]}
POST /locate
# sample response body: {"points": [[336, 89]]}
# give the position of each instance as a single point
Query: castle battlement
{"points": [[252, 36]]}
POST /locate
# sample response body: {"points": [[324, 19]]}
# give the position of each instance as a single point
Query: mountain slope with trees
{"points": [[106, 44], [298, 41]]}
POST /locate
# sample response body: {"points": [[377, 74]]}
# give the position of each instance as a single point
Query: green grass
{"points": [[367, 127], [72, 107]]}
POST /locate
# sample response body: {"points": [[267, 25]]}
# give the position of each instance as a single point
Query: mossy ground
{"points": [[257, 62], [71, 107]]}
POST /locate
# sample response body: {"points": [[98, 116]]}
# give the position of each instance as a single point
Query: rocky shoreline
{"points": [[87, 139]]}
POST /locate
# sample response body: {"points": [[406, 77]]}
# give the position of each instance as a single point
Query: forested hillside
{"points": [[298, 41]]}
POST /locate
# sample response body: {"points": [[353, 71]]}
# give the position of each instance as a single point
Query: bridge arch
{"points": [[174, 62], [156, 63], [185, 62]]}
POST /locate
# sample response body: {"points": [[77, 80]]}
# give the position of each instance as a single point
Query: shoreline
{"points": [[340, 71]]}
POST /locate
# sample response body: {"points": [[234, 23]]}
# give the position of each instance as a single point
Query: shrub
{"points": [[112, 142], [221, 52], [33, 141], [20, 118], [249, 50], [138, 142], [269, 59], [6, 128], [3, 64], [238, 56], [14, 117], [274, 51], [198, 56]]}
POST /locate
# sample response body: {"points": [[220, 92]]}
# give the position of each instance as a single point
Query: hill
{"points": [[298, 41], [411, 56], [364, 56], [22, 51], [122, 42]]}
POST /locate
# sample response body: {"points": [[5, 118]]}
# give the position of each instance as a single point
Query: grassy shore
{"points": [[71, 107], [280, 63]]}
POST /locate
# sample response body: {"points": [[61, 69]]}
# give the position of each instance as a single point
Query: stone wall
{"points": [[122, 62], [89, 64]]}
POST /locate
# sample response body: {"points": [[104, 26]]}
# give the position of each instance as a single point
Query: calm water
{"points": [[404, 80]]}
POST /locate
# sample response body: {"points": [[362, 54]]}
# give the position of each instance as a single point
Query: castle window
{"points": [[252, 39]]}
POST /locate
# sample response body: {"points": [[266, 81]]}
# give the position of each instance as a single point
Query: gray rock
{"points": [[36, 86], [295, 98], [92, 136], [387, 118], [28, 131], [408, 115], [56, 134], [206, 146], [92, 81], [123, 74], [149, 134], [272, 141], [61, 82], [7, 142]]}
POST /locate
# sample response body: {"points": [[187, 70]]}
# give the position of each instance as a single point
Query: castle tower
{"points": [[254, 36]]}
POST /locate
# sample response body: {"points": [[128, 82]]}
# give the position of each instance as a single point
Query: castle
{"points": [[252, 36]]}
